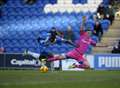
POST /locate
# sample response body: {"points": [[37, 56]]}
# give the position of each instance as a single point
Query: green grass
{"points": [[70, 79]]}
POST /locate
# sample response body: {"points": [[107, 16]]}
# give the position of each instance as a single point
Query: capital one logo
{"points": [[67, 6]]}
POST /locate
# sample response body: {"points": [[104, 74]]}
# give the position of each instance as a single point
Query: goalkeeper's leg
{"points": [[83, 64], [57, 57]]}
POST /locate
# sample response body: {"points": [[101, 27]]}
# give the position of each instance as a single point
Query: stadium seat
{"points": [[105, 25], [53, 1], [95, 38], [22, 23], [76, 1], [89, 50], [90, 24]]}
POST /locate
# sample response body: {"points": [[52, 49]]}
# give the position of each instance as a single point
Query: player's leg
{"points": [[39, 57], [57, 57], [83, 63], [33, 54]]}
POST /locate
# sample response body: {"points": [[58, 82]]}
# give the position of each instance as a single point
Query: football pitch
{"points": [[59, 79]]}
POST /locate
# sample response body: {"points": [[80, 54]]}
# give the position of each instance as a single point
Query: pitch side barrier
{"points": [[97, 61], [107, 61], [18, 61]]}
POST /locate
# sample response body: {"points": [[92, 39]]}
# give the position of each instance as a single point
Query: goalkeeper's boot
{"points": [[72, 66], [43, 62]]}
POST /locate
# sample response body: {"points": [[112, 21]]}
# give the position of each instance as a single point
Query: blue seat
{"points": [[89, 50], [10, 3], [8, 49], [7, 43], [83, 1], [76, 1], [22, 23], [53, 1], [105, 25], [39, 3], [77, 34], [95, 38], [89, 25], [16, 50]]}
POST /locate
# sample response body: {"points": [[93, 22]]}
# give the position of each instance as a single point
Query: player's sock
{"points": [[35, 55]]}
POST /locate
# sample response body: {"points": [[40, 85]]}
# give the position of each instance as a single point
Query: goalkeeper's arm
{"points": [[68, 41]]}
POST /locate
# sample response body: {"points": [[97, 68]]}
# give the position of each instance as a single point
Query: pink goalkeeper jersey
{"points": [[82, 46]]}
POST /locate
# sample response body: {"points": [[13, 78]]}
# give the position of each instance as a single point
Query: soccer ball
{"points": [[43, 69]]}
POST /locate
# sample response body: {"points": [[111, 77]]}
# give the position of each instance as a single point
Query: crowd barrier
{"points": [[97, 61], [18, 61], [107, 61]]}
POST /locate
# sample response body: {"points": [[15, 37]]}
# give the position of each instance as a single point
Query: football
{"points": [[43, 69]]}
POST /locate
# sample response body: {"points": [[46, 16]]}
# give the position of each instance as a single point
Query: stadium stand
{"points": [[109, 40], [21, 24]]}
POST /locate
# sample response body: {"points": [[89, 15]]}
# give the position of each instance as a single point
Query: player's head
{"points": [[53, 31]]}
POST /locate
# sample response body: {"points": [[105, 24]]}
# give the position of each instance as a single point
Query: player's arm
{"points": [[59, 33], [43, 40], [47, 39], [39, 39], [68, 41]]}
